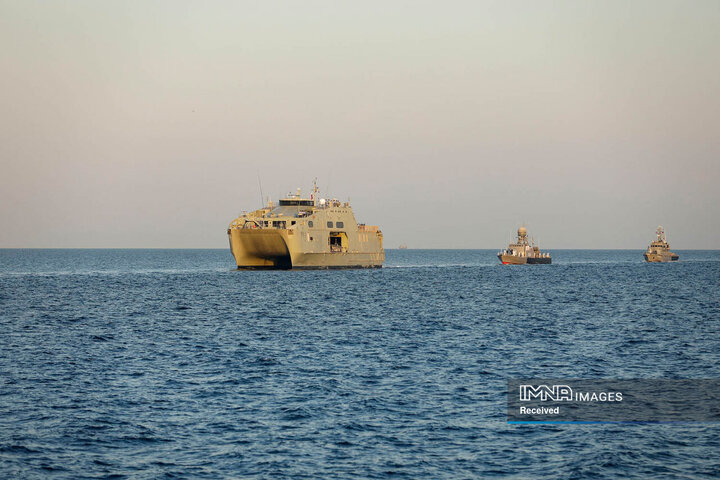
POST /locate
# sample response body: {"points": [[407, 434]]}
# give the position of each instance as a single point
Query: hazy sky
{"points": [[146, 124]]}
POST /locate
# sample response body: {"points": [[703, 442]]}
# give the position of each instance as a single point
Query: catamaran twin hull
{"points": [[285, 249]]}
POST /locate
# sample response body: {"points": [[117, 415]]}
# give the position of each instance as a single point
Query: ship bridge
{"points": [[294, 202], [287, 211]]}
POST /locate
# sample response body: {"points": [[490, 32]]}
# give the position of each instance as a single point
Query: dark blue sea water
{"points": [[171, 364]]}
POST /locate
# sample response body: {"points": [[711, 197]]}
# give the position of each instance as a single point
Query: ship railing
{"points": [[268, 225], [249, 224]]}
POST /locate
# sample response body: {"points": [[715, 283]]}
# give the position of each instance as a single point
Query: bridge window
{"points": [[340, 225], [310, 223], [330, 224], [296, 203]]}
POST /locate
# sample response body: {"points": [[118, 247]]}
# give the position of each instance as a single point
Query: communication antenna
{"points": [[315, 191], [261, 192], [327, 184]]}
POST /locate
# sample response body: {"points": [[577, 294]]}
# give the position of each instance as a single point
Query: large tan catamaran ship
{"points": [[305, 233]]}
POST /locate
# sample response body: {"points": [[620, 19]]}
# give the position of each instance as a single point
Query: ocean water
{"points": [[172, 364]]}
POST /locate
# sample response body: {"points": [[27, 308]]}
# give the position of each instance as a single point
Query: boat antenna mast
{"points": [[262, 197], [315, 190], [327, 184]]}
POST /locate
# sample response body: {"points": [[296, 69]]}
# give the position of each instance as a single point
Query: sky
{"points": [[448, 124]]}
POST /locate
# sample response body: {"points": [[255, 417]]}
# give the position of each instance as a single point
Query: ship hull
{"points": [[515, 260], [512, 260], [270, 249], [539, 260], [661, 257], [260, 250]]}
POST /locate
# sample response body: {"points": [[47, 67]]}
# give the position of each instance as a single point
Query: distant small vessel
{"points": [[659, 250], [523, 252], [311, 233], [403, 246]]}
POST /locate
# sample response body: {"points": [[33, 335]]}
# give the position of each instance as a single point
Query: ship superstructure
{"points": [[659, 250], [523, 251], [310, 233]]}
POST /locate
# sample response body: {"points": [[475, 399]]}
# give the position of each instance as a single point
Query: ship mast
{"points": [[660, 234]]}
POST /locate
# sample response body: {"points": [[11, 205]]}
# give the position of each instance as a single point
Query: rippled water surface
{"points": [[171, 364]]}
